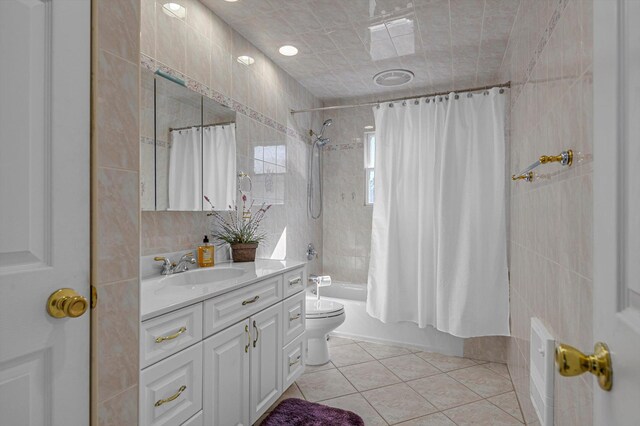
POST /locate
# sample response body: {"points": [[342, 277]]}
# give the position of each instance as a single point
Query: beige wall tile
{"points": [[550, 53], [118, 242], [119, 28], [117, 113], [121, 410], [117, 336]]}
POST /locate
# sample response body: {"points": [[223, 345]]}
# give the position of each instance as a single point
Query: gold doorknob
{"points": [[572, 362], [66, 302]]}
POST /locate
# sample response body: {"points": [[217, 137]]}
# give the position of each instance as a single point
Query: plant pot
{"points": [[244, 252]]}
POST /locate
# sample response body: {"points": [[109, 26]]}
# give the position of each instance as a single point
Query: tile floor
{"points": [[391, 385]]}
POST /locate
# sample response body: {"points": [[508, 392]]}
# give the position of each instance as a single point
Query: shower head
{"points": [[327, 123], [320, 140]]}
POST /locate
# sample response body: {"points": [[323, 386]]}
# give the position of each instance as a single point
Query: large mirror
{"points": [[188, 148]]}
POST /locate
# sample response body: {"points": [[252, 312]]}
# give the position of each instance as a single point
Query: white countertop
{"points": [[159, 295]]}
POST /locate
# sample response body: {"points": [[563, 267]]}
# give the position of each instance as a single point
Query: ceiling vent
{"points": [[393, 78]]}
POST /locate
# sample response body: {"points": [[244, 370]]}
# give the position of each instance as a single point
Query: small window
{"points": [[369, 167]]}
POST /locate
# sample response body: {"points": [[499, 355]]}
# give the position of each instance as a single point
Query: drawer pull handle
{"points": [[172, 397], [172, 336], [292, 363], [246, 302], [295, 281], [294, 317], [257, 334], [246, 330]]}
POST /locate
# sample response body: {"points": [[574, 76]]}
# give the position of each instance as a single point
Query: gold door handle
{"points": [[66, 302], [172, 336], [295, 317], [295, 281], [572, 362], [257, 334], [246, 302], [292, 363], [172, 397], [246, 330]]}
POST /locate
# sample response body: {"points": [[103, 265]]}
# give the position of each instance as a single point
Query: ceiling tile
{"points": [[343, 43]]}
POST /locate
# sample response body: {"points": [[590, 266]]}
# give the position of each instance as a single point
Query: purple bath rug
{"points": [[297, 412]]}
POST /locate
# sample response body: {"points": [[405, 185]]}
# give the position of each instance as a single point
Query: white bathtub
{"points": [[358, 324]]}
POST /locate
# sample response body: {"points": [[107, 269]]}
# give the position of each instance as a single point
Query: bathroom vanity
{"points": [[218, 346]]}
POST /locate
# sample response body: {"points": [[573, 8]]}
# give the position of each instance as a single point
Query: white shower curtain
{"points": [[219, 165], [202, 162], [185, 170], [438, 243]]}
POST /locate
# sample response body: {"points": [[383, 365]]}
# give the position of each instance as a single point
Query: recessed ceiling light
{"points": [[174, 10], [231, 1], [288, 50], [245, 60], [368, 127]]}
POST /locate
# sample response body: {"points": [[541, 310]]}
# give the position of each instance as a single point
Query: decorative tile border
{"points": [[152, 65], [151, 141], [344, 146]]}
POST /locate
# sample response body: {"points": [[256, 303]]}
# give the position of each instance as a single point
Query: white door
{"points": [[44, 210], [266, 360], [226, 376], [617, 205]]}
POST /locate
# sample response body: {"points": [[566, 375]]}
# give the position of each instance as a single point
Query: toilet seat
{"points": [[323, 309]]}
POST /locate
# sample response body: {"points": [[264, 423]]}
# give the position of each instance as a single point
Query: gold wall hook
{"points": [[571, 362]]}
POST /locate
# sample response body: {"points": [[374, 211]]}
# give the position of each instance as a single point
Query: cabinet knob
{"points": [[66, 302]]}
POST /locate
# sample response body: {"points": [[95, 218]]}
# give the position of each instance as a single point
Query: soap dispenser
{"points": [[205, 253]]}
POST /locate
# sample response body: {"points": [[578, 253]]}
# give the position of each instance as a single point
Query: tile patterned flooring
{"points": [[391, 385]]}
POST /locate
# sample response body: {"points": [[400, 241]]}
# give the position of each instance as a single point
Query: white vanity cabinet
{"points": [[266, 360], [227, 376], [237, 352]]}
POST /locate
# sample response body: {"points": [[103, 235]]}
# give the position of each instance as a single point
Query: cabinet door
{"points": [[266, 359], [226, 376]]}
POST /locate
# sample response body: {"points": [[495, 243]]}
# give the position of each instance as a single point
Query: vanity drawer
{"points": [[294, 281], [197, 420], [293, 317], [170, 333], [293, 359], [223, 311], [171, 390]]}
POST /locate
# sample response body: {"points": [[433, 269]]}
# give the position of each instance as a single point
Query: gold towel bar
{"points": [[565, 158]]}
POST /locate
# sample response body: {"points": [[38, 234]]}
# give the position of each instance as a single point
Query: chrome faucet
{"points": [[169, 267]]}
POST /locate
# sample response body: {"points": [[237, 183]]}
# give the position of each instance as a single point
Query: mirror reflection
{"points": [[188, 148]]}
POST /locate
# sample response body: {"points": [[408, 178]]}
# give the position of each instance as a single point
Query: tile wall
{"points": [[549, 61], [346, 220], [202, 49], [115, 218]]}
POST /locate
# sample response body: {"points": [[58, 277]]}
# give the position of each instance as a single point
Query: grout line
{"points": [[500, 408], [406, 382], [484, 13]]}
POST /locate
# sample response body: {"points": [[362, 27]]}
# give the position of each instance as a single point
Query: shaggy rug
{"points": [[297, 412]]}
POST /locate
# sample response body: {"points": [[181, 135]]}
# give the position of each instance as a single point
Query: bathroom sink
{"points": [[205, 276]]}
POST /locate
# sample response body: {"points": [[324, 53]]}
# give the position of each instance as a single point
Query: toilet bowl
{"points": [[323, 316]]}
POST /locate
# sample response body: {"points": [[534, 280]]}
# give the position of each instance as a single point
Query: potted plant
{"points": [[240, 231]]}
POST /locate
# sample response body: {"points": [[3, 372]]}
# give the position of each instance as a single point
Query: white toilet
{"points": [[323, 316]]}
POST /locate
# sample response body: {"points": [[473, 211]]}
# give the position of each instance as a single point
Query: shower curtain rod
{"points": [[428, 95], [171, 129]]}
